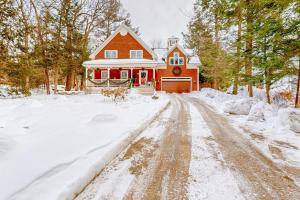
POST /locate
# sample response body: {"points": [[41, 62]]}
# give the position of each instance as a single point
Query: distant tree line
{"points": [[44, 42], [246, 42]]}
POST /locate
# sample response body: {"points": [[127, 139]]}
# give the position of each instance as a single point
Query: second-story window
{"points": [[111, 54], [136, 54], [176, 60]]}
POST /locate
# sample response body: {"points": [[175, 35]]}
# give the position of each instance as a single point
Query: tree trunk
{"points": [[216, 70], [268, 84], [68, 46], [215, 82], [298, 86], [70, 80], [55, 78], [249, 47], [82, 82], [47, 82], [238, 52]]}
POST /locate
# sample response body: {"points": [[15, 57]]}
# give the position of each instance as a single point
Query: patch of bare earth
{"points": [[276, 152], [265, 178], [167, 175]]}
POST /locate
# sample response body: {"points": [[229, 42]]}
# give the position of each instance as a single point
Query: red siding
{"points": [[124, 44], [168, 72], [114, 73], [97, 74]]}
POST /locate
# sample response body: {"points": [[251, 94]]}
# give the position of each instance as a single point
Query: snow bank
{"points": [[290, 118], [260, 112], [51, 146], [239, 107], [264, 124], [6, 143]]}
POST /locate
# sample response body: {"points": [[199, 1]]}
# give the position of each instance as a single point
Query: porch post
{"points": [[108, 73], [131, 72], [153, 74]]}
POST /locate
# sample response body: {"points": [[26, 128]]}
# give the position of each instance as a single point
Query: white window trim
{"points": [[136, 51], [104, 71], [140, 77], [123, 72], [177, 54], [178, 63], [116, 51]]}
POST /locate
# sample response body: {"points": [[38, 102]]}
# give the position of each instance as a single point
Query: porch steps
{"points": [[149, 91]]}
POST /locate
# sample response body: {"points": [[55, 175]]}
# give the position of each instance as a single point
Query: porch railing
{"points": [[108, 82]]}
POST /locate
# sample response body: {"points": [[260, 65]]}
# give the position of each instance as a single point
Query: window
{"points": [[136, 54], [111, 54], [104, 74], [176, 60], [124, 74]]}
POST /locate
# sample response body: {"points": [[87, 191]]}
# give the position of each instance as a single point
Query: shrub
{"points": [[282, 99], [115, 93]]}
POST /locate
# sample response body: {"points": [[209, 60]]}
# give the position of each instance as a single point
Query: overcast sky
{"points": [[159, 19]]}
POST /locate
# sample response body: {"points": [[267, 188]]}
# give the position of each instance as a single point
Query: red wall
{"points": [[168, 72], [124, 44], [136, 74], [114, 73]]}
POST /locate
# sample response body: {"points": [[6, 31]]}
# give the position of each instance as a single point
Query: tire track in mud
{"points": [[265, 178], [167, 175]]}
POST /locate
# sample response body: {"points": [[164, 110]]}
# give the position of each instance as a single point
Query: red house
{"points": [[125, 59]]}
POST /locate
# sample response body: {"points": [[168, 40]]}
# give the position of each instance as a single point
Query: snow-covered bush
{"points": [[256, 113], [260, 112], [290, 117], [115, 93], [239, 107], [282, 99]]}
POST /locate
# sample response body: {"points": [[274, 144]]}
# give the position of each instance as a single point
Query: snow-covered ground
{"points": [[210, 177], [51, 146], [273, 129]]}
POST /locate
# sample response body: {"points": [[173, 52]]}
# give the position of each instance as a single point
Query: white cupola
{"points": [[172, 41]]}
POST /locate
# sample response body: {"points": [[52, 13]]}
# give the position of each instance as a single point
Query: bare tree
{"points": [[156, 44]]}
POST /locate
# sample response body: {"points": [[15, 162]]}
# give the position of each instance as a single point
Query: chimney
{"points": [[172, 41]]}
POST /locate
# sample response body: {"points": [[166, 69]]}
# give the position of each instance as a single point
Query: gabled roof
{"points": [[162, 53], [174, 47], [123, 29]]}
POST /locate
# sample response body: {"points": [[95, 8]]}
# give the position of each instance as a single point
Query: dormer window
{"points": [[136, 54], [111, 54], [176, 59]]}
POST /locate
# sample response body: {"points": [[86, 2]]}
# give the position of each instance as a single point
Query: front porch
{"points": [[131, 73], [120, 77]]}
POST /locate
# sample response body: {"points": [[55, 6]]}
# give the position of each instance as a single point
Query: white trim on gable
{"points": [[123, 30], [174, 47]]}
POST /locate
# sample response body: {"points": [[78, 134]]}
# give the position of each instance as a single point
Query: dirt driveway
{"points": [[157, 164]]}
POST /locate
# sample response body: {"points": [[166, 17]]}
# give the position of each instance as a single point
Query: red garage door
{"points": [[178, 86]]}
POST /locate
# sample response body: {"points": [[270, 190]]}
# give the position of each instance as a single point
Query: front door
{"points": [[143, 77]]}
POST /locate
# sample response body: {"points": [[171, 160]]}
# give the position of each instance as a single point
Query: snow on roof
{"points": [[118, 62], [194, 60]]}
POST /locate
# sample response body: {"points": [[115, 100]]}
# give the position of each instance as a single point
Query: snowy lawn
{"points": [[267, 126], [51, 146]]}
